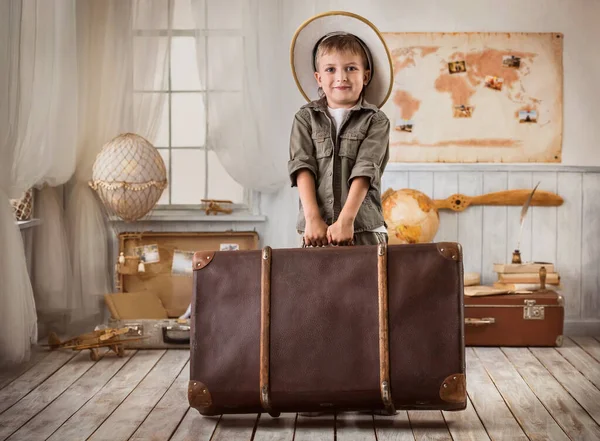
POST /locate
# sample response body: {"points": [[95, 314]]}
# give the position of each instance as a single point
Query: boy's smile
{"points": [[342, 76]]}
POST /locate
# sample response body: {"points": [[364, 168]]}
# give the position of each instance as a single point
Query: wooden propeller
{"points": [[458, 202]]}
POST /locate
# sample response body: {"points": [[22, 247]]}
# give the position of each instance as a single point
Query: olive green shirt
{"points": [[360, 149]]}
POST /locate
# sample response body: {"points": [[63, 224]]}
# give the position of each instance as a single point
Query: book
{"points": [[471, 279], [527, 267], [523, 287], [551, 278], [484, 290]]}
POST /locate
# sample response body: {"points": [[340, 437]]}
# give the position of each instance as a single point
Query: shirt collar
{"points": [[321, 104]]}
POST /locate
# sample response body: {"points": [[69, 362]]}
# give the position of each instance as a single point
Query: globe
{"points": [[410, 215]]}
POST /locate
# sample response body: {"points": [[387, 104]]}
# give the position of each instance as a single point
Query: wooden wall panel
{"points": [[470, 221], [590, 258], [568, 241], [494, 228], [518, 180], [543, 221], [446, 184]]}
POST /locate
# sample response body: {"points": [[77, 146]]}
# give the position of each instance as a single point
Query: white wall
{"points": [[578, 20]]}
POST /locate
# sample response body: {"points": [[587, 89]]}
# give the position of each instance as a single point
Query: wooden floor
{"points": [[514, 393]]}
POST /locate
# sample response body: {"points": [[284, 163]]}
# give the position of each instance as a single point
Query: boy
{"points": [[339, 144]]}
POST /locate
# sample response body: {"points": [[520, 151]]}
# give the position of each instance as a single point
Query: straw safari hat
{"points": [[310, 33]]}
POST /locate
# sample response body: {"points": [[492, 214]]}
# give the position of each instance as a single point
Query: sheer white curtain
{"points": [[51, 264], [251, 138], [34, 35], [16, 296], [244, 134], [111, 60]]}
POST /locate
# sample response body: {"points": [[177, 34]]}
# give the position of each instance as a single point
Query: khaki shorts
{"points": [[370, 238]]}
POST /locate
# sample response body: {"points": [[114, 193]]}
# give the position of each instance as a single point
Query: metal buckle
{"points": [[264, 392], [135, 330], [532, 312]]}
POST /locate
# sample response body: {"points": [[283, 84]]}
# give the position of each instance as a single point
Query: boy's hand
{"points": [[316, 232], [341, 232]]}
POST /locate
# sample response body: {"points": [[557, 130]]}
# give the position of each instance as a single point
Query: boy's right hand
{"points": [[315, 233]]}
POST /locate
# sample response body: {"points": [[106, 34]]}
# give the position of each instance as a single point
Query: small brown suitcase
{"points": [[371, 327], [534, 319]]}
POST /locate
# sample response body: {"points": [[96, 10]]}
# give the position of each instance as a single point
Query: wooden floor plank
{"points": [[126, 419], [566, 411], [354, 426], [319, 428], [527, 409], [428, 425], [589, 345], [15, 417], [60, 410], [581, 360], [85, 421], [465, 424], [551, 391], [238, 427], [8, 374], [33, 378], [195, 427], [168, 413], [275, 429], [586, 394], [489, 404], [393, 428]]}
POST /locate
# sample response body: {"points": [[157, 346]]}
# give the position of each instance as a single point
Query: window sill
{"points": [[183, 215], [23, 225]]}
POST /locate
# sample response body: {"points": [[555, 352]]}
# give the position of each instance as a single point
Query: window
{"points": [[194, 170]]}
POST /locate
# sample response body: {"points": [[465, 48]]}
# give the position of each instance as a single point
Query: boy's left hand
{"points": [[341, 232]]}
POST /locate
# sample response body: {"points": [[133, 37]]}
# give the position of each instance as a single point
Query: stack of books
{"points": [[525, 276]]}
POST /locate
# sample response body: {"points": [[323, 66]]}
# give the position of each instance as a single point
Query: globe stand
{"points": [[516, 257]]}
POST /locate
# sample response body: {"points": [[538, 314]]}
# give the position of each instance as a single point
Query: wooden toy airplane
{"points": [[103, 338], [214, 207]]}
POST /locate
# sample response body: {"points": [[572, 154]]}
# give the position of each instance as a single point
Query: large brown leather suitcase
{"points": [[335, 328], [534, 319]]}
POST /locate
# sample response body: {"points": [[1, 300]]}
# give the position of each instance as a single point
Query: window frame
{"points": [[251, 198]]}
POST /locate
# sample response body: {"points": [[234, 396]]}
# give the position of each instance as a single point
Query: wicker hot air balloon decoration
{"points": [[129, 176]]}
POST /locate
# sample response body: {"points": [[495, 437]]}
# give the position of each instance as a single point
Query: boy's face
{"points": [[342, 76]]}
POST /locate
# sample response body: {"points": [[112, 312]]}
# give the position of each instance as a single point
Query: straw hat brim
{"points": [[313, 29]]}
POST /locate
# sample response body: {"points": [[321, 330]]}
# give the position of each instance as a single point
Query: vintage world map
{"points": [[476, 97]]}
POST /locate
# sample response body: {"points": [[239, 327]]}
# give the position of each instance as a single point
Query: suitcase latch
{"points": [[533, 312]]}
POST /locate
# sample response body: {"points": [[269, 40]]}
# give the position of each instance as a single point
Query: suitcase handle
{"points": [[480, 321], [177, 341]]}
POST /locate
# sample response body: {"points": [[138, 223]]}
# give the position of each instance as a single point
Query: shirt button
{"points": [[329, 173], [330, 201]]}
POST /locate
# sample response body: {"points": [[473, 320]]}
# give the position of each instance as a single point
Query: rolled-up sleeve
{"points": [[302, 153], [373, 152]]}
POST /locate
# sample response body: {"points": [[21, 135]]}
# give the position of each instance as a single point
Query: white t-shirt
{"points": [[338, 117]]}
